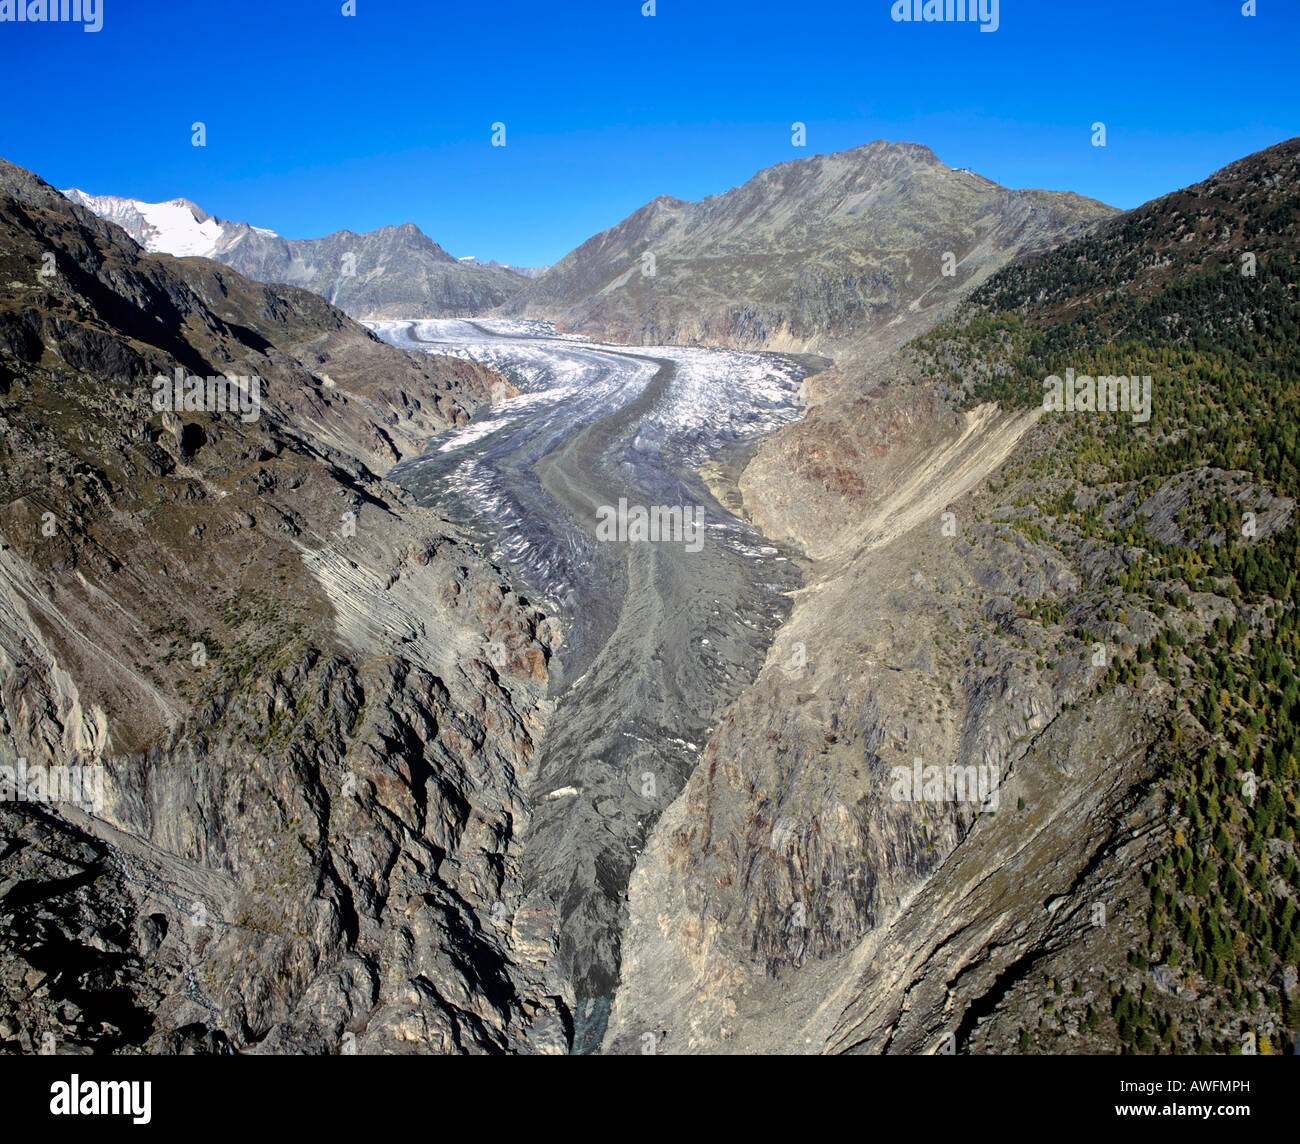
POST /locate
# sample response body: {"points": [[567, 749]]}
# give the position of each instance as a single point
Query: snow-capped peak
{"points": [[176, 227]]}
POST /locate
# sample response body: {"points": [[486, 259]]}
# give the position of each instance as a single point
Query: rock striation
{"points": [[312, 765]]}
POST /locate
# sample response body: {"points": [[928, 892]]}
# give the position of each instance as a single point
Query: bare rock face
{"points": [[308, 808], [760, 913]]}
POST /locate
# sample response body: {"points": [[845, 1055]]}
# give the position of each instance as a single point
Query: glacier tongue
{"points": [[484, 472], [658, 636]]}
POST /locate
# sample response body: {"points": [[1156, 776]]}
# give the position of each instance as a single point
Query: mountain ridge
{"points": [[1101, 612], [813, 253], [393, 271]]}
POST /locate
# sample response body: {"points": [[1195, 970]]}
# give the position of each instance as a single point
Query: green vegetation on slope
{"points": [[1193, 510]]}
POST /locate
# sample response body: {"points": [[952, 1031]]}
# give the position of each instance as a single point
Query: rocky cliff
{"points": [[312, 704]]}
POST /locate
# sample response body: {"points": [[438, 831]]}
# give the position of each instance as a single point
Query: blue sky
{"points": [[317, 121]]}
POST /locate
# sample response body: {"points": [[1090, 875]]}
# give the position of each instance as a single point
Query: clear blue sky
{"points": [[317, 121]]}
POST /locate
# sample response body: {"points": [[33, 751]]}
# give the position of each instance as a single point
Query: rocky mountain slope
{"points": [[1096, 610], [392, 272], [312, 755], [814, 253]]}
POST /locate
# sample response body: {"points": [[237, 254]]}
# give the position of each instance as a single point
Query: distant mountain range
{"points": [[811, 254], [392, 272]]}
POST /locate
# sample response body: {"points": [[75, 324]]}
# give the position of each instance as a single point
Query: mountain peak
{"points": [[177, 226], [818, 246], [880, 148]]}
